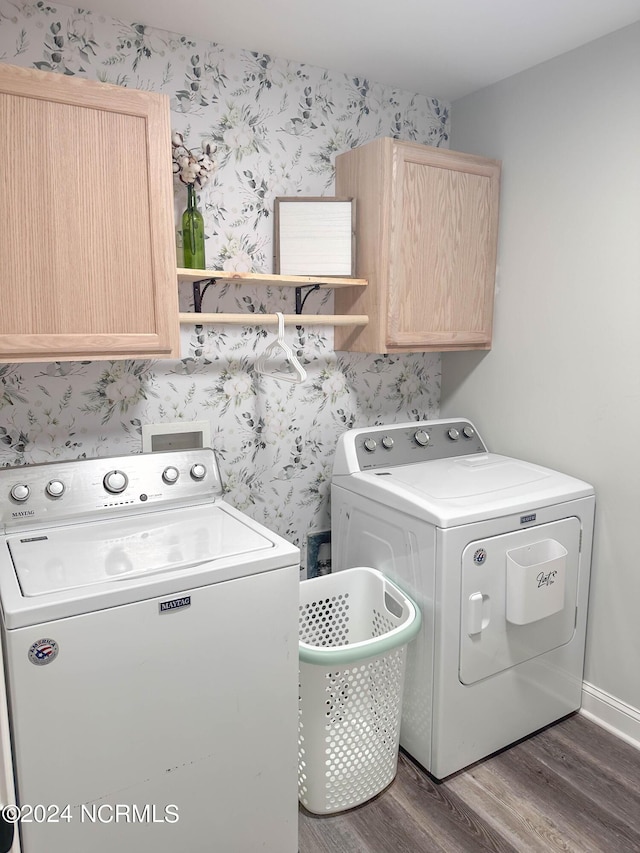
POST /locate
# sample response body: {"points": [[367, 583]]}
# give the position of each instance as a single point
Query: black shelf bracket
{"points": [[198, 293], [300, 300]]}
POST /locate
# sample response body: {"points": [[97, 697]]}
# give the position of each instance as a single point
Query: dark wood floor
{"points": [[572, 787]]}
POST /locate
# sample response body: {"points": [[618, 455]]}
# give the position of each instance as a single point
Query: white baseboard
{"points": [[612, 714]]}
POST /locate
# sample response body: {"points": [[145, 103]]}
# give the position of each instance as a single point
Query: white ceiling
{"points": [[443, 48]]}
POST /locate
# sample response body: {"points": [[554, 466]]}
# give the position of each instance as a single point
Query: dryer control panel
{"points": [[404, 444]]}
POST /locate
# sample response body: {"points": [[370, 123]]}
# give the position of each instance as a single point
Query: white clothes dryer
{"points": [[497, 553]]}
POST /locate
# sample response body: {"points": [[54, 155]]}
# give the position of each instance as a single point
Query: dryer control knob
{"points": [[421, 437], [54, 488], [170, 475], [115, 482], [468, 431], [198, 472], [370, 444], [20, 492], [387, 442], [453, 434]]}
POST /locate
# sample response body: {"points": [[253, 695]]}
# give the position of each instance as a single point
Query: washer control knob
{"points": [[370, 444], [468, 431], [54, 488], [421, 437], [453, 434], [20, 492], [115, 482], [198, 471], [387, 442], [170, 475]]}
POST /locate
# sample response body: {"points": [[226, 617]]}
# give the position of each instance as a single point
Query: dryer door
{"points": [[519, 593]]}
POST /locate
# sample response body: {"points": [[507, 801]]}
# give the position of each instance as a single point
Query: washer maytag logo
{"points": [[525, 519], [175, 604]]}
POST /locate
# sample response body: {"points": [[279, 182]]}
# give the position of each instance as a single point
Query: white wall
{"points": [[561, 385]]}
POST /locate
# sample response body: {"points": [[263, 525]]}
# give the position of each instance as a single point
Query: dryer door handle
{"points": [[474, 613]]}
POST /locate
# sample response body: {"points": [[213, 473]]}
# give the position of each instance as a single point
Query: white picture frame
{"points": [[314, 236]]}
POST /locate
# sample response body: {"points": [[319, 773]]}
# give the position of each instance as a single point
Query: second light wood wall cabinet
{"points": [[426, 236], [87, 244]]}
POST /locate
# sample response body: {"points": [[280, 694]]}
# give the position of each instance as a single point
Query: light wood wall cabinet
{"points": [[426, 234], [87, 244]]}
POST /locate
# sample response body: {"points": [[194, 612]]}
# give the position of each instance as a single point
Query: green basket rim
{"points": [[373, 647]]}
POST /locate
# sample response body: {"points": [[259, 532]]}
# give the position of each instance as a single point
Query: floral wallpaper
{"points": [[276, 127]]}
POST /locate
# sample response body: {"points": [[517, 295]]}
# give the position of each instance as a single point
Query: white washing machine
{"points": [[150, 641], [497, 553]]}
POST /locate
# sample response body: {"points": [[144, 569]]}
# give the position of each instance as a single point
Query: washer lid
{"points": [[82, 555]]}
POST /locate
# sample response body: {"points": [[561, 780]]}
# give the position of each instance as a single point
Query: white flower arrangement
{"points": [[192, 166]]}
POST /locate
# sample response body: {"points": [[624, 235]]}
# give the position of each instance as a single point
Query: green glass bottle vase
{"points": [[193, 233]]}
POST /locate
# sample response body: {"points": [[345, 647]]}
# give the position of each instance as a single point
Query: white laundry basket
{"points": [[354, 629]]}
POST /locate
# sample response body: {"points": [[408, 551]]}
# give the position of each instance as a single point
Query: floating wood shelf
{"points": [[207, 277], [275, 280]]}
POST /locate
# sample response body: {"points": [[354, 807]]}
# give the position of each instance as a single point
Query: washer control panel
{"points": [[63, 491], [386, 446]]}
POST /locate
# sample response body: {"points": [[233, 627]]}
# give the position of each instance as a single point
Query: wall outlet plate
{"points": [[179, 436], [318, 553]]}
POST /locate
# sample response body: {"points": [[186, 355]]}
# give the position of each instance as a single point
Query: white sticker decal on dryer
{"points": [[479, 557]]}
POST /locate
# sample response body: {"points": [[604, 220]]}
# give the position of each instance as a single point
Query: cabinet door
{"points": [[87, 244], [442, 251], [426, 233]]}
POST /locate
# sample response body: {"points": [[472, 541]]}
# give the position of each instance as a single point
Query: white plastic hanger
{"points": [[297, 373]]}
